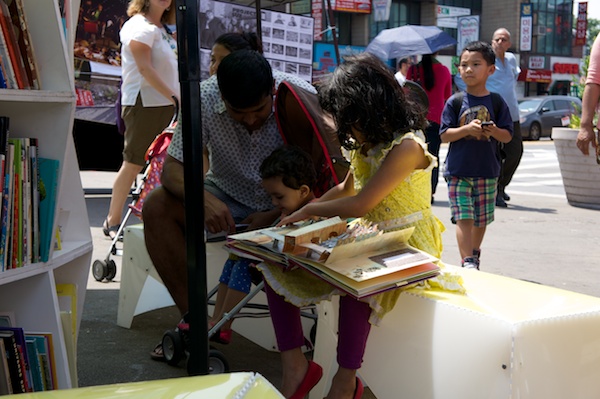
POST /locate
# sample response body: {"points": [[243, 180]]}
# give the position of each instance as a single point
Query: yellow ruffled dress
{"points": [[412, 196]]}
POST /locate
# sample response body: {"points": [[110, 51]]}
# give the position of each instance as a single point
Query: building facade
{"points": [[541, 33]]}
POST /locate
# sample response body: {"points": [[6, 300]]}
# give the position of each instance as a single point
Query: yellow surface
{"points": [[510, 299], [218, 386]]}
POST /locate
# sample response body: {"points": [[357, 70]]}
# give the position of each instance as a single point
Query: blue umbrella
{"points": [[409, 40]]}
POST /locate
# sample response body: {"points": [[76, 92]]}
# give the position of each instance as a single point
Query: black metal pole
{"points": [[258, 20], [333, 31], [189, 78]]}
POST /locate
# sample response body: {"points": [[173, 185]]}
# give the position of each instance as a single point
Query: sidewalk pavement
{"points": [[538, 238]]}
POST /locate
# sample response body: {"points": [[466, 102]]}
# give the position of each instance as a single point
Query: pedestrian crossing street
{"points": [[538, 173]]}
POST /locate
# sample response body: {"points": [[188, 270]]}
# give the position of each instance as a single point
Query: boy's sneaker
{"points": [[477, 253], [470, 262]]}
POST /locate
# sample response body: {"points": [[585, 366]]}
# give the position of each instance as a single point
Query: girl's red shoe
{"points": [[311, 378]]}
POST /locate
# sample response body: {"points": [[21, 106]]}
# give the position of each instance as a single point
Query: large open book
{"points": [[359, 261]]}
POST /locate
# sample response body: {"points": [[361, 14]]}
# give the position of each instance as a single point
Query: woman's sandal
{"points": [[157, 353], [110, 231]]}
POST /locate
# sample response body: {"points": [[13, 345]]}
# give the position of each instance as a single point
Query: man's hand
{"points": [[585, 137], [217, 216]]}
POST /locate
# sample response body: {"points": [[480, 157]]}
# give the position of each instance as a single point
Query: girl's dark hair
{"points": [[234, 41], [363, 93], [245, 78], [486, 50], [429, 78], [294, 166]]}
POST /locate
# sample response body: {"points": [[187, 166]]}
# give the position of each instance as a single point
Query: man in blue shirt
{"points": [[503, 81]]}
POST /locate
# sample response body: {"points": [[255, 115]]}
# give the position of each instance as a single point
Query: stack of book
{"points": [[18, 66], [358, 260], [29, 187]]}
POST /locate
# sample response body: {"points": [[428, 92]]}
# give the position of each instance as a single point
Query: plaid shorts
{"points": [[472, 198]]}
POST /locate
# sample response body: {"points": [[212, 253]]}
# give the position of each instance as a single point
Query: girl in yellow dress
{"points": [[390, 178]]}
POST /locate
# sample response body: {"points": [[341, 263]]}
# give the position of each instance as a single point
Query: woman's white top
{"points": [[164, 60]]}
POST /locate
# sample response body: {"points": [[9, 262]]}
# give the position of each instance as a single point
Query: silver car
{"points": [[538, 115]]}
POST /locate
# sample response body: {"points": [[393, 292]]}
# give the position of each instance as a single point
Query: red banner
{"points": [[358, 6], [84, 98], [581, 28], [536, 75]]}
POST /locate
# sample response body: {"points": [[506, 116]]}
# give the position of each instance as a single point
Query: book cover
{"points": [[19, 335], [45, 348], [2, 79], [17, 373], [49, 174], [6, 221], [14, 52], [35, 200], [4, 129], [6, 65], [26, 202], [34, 365], [16, 259], [5, 381], [19, 21]]}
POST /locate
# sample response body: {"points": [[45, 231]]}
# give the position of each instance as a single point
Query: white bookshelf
{"points": [[47, 114]]}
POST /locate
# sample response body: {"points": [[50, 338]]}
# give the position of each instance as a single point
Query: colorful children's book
{"points": [[45, 348], [49, 174]]}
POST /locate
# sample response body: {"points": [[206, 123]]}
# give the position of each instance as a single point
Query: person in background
{"points": [[591, 94], [503, 82], [473, 163], [149, 91], [227, 43], [239, 130], [402, 70], [436, 80], [390, 178]]}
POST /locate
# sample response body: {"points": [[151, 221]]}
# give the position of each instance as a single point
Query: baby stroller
{"points": [[301, 123], [155, 157]]}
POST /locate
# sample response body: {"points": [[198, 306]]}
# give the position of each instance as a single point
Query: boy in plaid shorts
{"points": [[474, 122]]}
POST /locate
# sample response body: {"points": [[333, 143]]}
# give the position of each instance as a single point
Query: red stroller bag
{"points": [[304, 124]]}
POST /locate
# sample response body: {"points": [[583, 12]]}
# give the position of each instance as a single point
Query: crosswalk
{"points": [[537, 174]]}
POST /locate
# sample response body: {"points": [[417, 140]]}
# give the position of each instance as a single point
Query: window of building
{"points": [[402, 12], [552, 21]]}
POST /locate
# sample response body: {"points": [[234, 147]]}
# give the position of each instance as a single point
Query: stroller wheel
{"points": [[111, 270], [99, 269], [217, 363], [172, 347]]}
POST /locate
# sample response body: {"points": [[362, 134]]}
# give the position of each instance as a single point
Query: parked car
{"points": [[538, 115]]}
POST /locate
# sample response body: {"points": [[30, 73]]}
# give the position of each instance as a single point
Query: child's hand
{"points": [[300, 214], [488, 129], [474, 129]]}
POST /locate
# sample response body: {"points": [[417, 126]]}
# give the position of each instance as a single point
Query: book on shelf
{"points": [[2, 79], [5, 381], [7, 210], [45, 349], [10, 80], [19, 20], [19, 335], [360, 261], [35, 367], [15, 365], [48, 171], [35, 202], [16, 236], [14, 53]]}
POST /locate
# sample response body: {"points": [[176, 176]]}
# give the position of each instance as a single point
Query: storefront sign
{"points": [[536, 75], [537, 62], [468, 31], [381, 10], [447, 17], [317, 14], [358, 6], [571, 69], [581, 29], [526, 27]]}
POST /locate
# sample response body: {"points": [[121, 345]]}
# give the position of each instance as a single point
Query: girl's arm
{"points": [[400, 162], [142, 54]]}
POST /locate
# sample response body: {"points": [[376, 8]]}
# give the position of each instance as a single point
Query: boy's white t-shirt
{"points": [[164, 60]]}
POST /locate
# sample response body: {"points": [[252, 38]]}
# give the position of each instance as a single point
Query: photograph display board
{"points": [[287, 39]]}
